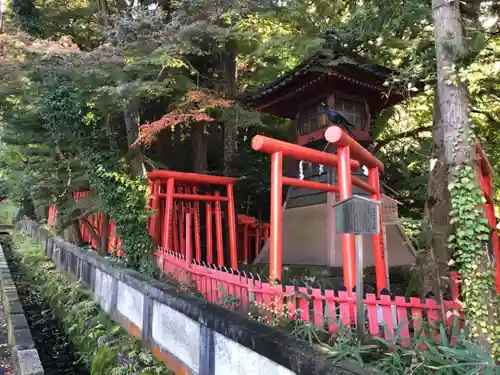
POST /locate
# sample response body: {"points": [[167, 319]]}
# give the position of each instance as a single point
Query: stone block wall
{"points": [[25, 358], [187, 333]]}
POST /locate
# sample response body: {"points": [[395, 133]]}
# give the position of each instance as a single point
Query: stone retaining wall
{"points": [[188, 334], [25, 359]]}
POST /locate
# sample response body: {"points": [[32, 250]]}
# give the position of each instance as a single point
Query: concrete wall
{"points": [[188, 334]]}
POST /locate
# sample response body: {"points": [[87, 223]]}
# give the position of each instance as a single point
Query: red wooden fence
{"points": [[173, 194], [329, 310], [114, 244], [253, 234]]}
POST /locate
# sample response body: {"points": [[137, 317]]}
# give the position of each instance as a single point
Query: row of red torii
{"points": [[175, 196]]}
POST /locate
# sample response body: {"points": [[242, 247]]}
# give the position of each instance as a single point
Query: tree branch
{"points": [[395, 137], [94, 234]]}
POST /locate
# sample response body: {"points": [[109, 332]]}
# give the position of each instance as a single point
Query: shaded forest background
{"points": [[119, 65], [80, 78]]}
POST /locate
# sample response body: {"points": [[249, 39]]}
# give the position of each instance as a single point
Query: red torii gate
{"points": [[174, 194], [344, 164], [347, 147]]}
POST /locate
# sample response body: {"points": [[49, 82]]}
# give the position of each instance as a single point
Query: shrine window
{"points": [[354, 111], [312, 117]]}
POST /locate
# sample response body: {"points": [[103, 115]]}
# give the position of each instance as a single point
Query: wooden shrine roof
{"points": [[331, 66]]}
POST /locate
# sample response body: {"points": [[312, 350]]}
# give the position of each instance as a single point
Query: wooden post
{"points": [[378, 239], [189, 248], [209, 220], [232, 227], [218, 232], [275, 247], [197, 229], [345, 186], [168, 221]]}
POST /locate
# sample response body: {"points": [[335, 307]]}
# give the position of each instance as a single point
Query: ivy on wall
{"points": [[125, 200], [99, 163]]}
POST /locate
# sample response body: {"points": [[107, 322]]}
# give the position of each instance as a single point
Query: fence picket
{"points": [[304, 304], [318, 317], [291, 302], [331, 311], [345, 308], [386, 307], [372, 313], [403, 321], [432, 309]]}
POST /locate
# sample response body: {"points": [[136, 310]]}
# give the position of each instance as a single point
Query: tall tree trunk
{"points": [[94, 233], [132, 123], [102, 6], [27, 209], [199, 147], [230, 74], [437, 208], [453, 99], [458, 151], [72, 233], [105, 234], [164, 147], [451, 118]]}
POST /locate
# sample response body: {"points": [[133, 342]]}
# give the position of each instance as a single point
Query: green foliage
{"points": [[427, 354], [125, 199], [25, 14], [64, 107], [102, 345], [469, 243]]}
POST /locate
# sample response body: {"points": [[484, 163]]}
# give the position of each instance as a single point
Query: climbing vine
{"points": [[124, 199], [73, 121], [469, 245]]}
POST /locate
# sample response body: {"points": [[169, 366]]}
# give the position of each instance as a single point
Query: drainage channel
{"points": [[56, 353]]}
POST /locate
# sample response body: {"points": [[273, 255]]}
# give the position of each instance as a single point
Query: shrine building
{"points": [[353, 88]]}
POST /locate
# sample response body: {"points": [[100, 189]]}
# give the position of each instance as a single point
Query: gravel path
{"points": [[5, 354]]}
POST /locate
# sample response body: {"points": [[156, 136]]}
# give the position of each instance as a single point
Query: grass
{"points": [[8, 211]]}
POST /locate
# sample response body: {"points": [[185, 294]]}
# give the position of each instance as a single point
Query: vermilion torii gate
{"points": [[350, 156], [175, 194]]}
